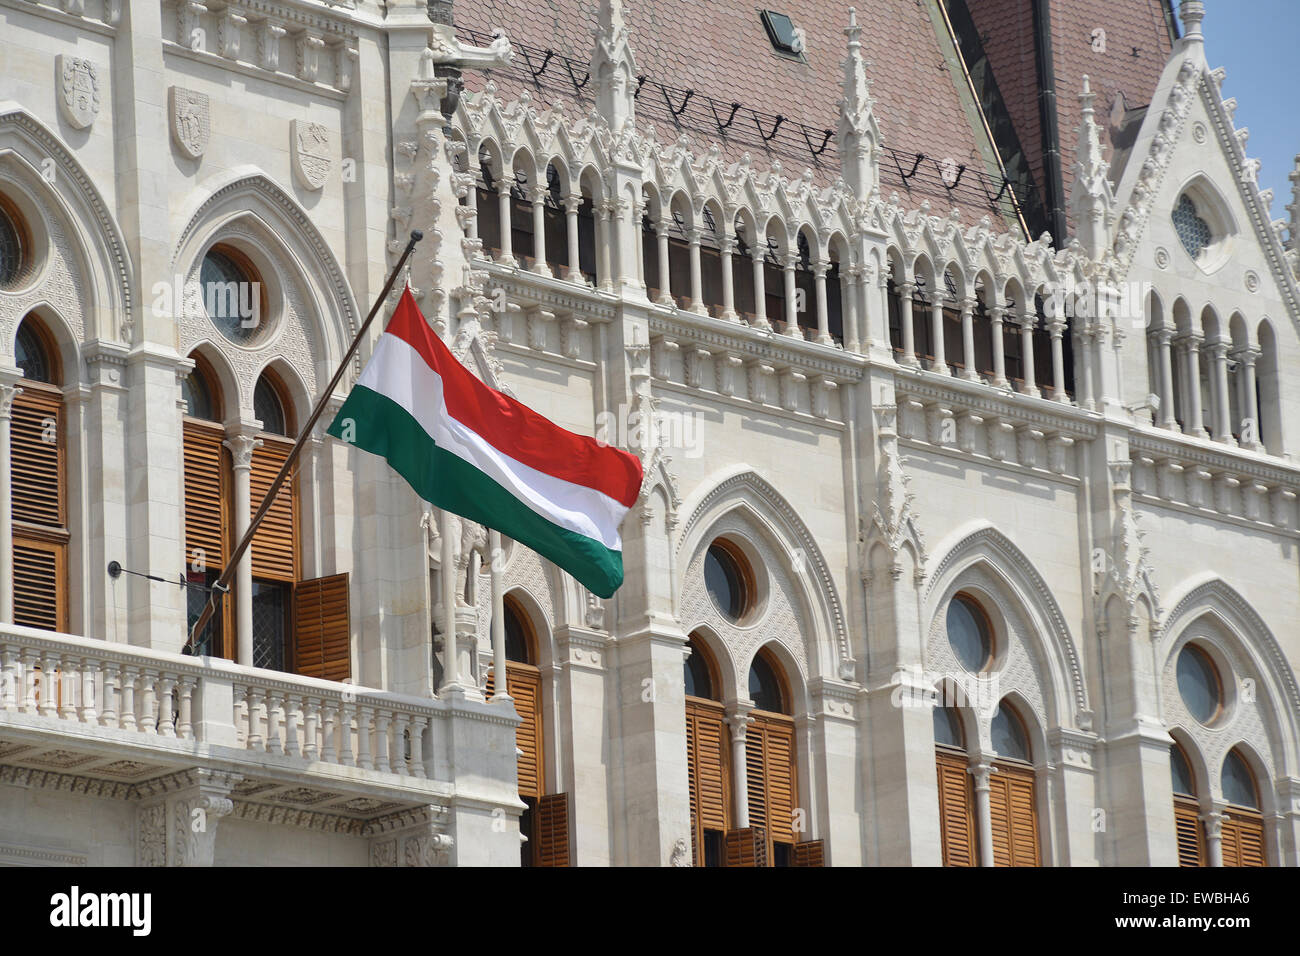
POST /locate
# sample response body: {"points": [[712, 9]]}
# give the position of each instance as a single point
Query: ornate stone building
{"points": [[955, 351]]}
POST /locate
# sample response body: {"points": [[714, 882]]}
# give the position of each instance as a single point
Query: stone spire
{"points": [[1293, 207], [1092, 198], [613, 68], [1192, 12], [859, 137]]}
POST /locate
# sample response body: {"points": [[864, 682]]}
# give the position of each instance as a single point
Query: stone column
{"points": [[905, 317], [1163, 337], [1195, 420], [979, 769], [8, 392], [823, 313], [791, 305], [1247, 359], [738, 720], [665, 272], [572, 204], [1212, 820], [999, 352], [697, 282], [1222, 400], [507, 257], [760, 289], [605, 241], [242, 444], [1026, 321], [538, 196], [727, 247], [971, 373], [1085, 341], [936, 333], [849, 295], [1057, 328]]}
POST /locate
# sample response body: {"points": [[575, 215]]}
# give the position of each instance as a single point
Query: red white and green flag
{"points": [[468, 449]]}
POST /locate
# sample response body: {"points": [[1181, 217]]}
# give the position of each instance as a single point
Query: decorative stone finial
{"points": [[859, 135]]}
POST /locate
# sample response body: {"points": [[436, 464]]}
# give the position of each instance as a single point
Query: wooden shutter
{"points": [[956, 810], [1014, 816], [524, 684], [322, 628], [275, 545], [552, 830], [810, 853], [205, 496], [38, 484], [708, 767], [1243, 838], [770, 772], [746, 847], [40, 598], [1190, 833]]}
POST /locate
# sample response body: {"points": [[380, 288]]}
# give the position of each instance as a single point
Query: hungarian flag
{"points": [[470, 450]]}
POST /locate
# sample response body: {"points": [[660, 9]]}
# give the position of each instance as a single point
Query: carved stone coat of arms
{"points": [[311, 153], [78, 86], [189, 120]]}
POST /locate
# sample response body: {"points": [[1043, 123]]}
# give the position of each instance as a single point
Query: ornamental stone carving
{"points": [[78, 86], [188, 112], [310, 147]]}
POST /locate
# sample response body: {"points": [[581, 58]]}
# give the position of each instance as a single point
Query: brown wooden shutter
{"points": [[770, 775], [956, 810], [746, 847], [1014, 816], [524, 684], [1243, 838], [275, 545], [552, 830], [322, 628], [38, 484], [205, 496], [1190, 833], [756, 775], [810, 853], [708, 766], [40, 598]]}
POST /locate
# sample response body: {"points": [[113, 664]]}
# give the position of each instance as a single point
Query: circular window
{"points": [[729, 581], [13, 245], [1239, 782], [1199, 684], [969, 633], [233, 295]]}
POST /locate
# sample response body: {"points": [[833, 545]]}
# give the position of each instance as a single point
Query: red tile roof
{"points": [[720, 49]]}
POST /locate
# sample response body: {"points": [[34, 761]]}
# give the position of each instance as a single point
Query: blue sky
{"points": [[1256, 41]]}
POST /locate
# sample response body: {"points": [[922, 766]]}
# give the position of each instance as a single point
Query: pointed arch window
{"points": [[38, 449], [957, 830], [1013, 808], [275, 548], [707, 756], [770, 761], [1187, 812], [1243, 824]]}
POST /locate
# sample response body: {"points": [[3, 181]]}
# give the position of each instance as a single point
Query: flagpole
{"points": [[223, 582]]}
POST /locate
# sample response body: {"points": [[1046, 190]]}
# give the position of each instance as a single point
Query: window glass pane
{"points": [[1238, 782], [725, 582], [1193, 231], [696, 672], [1182, 774], [270, 624], [516, 638], [11, 248], [30, 355], [1198, 684], [1008, 735], [968, 634], [198, 400], [231, 297], [209, 642], [267, 408], [764, 687], [947, 727]]}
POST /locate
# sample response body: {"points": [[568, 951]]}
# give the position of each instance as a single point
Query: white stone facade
{"points": [[865, 488]]}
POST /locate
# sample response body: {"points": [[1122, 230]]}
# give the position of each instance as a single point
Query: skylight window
{"points": [[785, 36]]}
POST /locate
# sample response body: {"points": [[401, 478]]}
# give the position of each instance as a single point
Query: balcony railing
{"points": [[169, 700]]}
